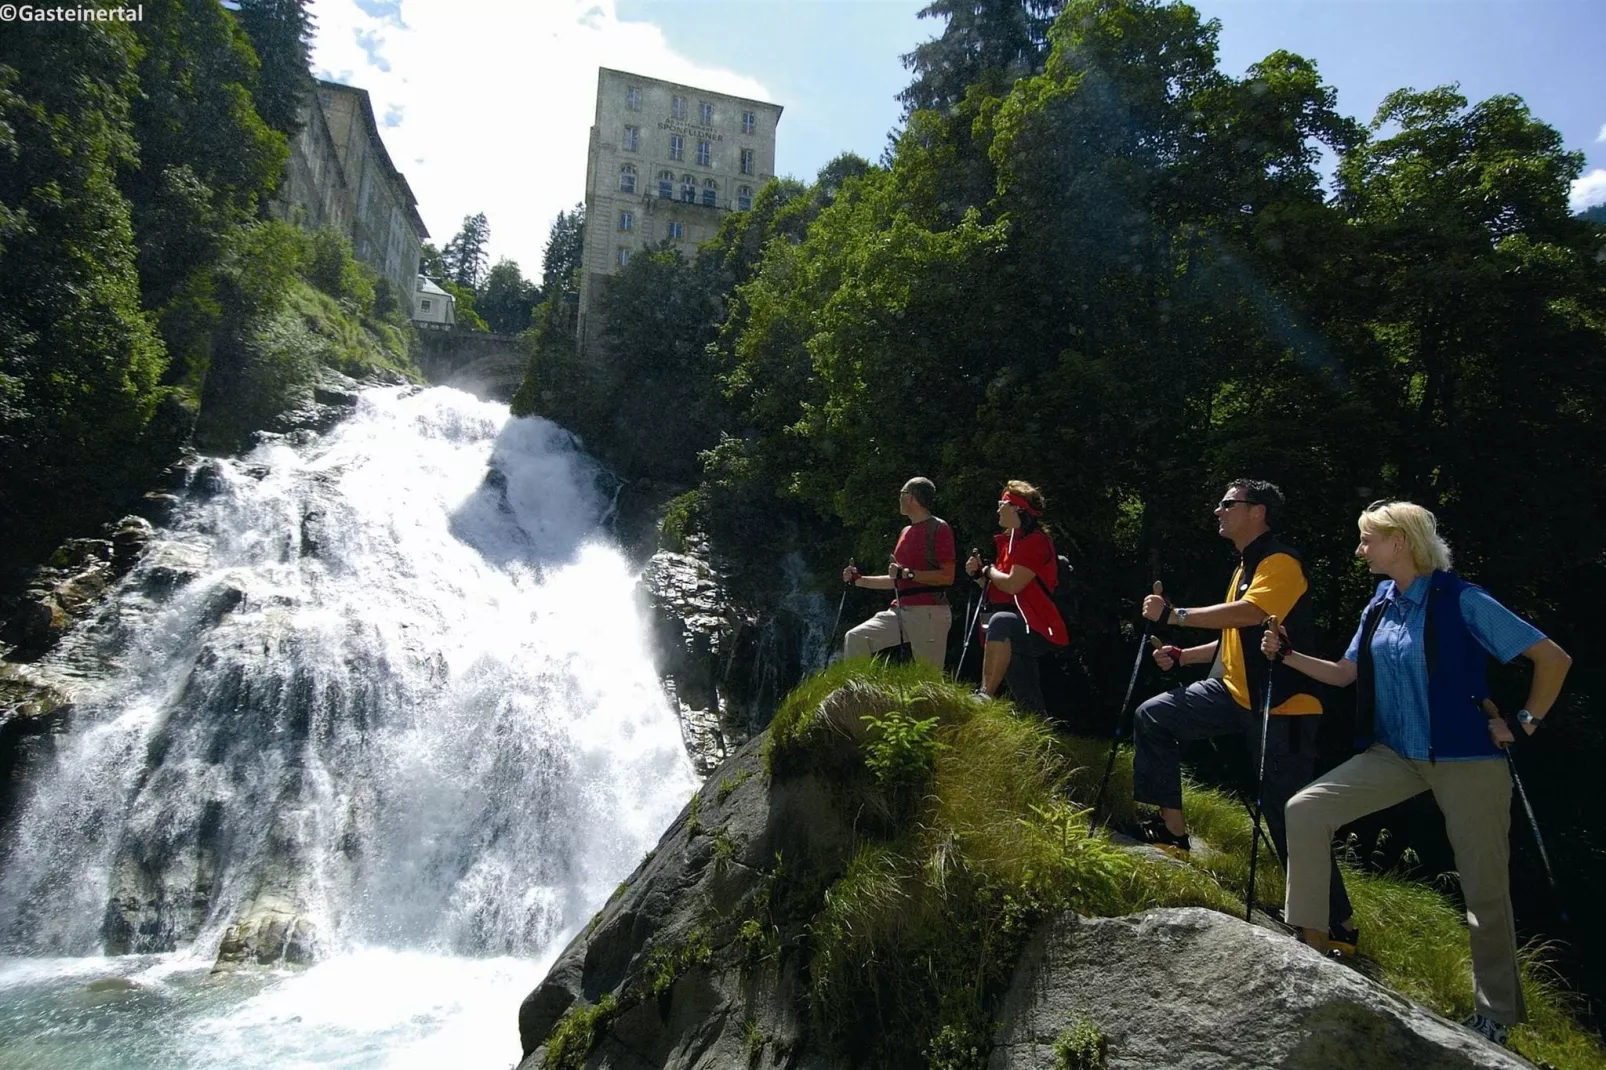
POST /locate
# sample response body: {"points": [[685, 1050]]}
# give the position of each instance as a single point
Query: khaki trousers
{"points": [[1475, 798], [927, 628]]}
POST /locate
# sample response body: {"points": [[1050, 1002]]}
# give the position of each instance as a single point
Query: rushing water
{"points": [[381, 695]]}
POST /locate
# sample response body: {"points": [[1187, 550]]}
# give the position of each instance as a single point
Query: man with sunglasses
{"points": [[1269, 582]]}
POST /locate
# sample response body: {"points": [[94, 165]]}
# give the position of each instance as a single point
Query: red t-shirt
{"points": [[1035, 552], [911, 553]]}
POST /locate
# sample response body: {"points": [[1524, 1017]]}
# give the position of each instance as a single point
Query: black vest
{"points": [[1285, 682]]}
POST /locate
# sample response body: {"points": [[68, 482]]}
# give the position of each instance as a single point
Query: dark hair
{"points": [[922, 490], [1261, 492], [1028, 522]]}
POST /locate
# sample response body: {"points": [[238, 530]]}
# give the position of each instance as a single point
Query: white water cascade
{"points": [[380, 698]]}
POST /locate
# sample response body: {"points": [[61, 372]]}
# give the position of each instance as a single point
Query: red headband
{"points": [[1020, 503]]}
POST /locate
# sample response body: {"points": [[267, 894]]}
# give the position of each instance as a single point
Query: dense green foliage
{"points": [[911, 946], [80, 359], [507, 299]]}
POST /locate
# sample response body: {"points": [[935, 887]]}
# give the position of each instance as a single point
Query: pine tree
{"points": [[560, 263], [281, 33], [1009, 37], [465, 256]]}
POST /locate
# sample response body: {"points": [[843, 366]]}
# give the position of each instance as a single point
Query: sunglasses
{"points": [[1228, 503]]}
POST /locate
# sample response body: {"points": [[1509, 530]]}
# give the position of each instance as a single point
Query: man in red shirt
{"points": [[922, 570]]}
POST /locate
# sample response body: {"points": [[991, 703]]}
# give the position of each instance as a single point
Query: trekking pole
{"points": [[1131, 685], [897, 607], [1544, 856], [835, 624], [1260, 778], [971, 630]]}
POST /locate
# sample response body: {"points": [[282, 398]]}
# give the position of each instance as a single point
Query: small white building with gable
{"points": [[433, 307]]}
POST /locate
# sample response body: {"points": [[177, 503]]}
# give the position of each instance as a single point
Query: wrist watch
{"points": [[1526, 719], [1182, 616]]}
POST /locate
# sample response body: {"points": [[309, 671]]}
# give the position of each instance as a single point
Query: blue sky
{"points": [[488, 102]]}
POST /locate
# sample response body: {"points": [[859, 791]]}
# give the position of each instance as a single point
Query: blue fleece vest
{"points": [[1458, 678]]}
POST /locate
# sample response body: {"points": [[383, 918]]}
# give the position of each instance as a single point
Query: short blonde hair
{"points": [[1418, 527]]}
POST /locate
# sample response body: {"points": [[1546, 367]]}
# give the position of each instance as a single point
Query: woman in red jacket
{"points": [[1023, 623]]}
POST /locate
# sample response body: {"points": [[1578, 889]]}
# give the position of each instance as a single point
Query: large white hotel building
{"points": [[666, 161]]}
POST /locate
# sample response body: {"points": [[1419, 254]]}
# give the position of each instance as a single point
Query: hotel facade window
{"points": [[627, 221], [749, 122], [666, 185], [705, 154], [633, 98], [710, 192], [677, 147], [677, 106], [624, 257], [744, 198], [747, 161], [632, 138], [688, 189], [677, 230], [706, 113], [627, 178]]}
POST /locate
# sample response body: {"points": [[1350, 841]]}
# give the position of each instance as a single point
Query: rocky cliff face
{"points": [[697, 962], [726, 658]]}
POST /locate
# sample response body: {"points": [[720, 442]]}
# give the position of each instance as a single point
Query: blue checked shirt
{"points": [[1400, 662]]}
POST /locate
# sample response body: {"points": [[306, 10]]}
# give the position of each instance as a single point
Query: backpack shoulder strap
{"points": [[931, 541]]}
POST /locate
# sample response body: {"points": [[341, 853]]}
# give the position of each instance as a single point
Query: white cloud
{"points": [[496, 99], [1602, 135], [1589, 190]]}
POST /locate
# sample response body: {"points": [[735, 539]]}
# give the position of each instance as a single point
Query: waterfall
{"points": [[380, 692]]}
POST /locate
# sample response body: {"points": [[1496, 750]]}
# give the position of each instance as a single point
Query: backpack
{"points": [[1064, 595]]}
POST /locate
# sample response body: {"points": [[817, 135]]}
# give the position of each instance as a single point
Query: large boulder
{"points": [[700, 960], [1193, 988], [670, 973]]}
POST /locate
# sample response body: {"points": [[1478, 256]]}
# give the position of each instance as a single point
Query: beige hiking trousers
{"points": [[927, 627], [1475, 798]]}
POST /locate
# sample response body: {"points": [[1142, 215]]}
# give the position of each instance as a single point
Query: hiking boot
{"points": [[1342, 940], [1339, 943], [1488, 1027], [1153, 831]]}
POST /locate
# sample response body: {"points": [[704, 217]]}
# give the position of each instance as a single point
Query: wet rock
{"points": [[129, 539], [699, 637], [268, 937], [210, 479], [158, 506], [171, 566], [312, 533]]}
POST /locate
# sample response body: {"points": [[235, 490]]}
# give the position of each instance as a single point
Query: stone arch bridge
{"points": [[483, 363]]}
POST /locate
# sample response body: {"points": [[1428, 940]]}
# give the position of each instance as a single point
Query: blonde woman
{"points": [[1418, 660]]}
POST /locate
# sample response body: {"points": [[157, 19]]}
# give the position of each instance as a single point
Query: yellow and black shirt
{"points": [[1276, 586]]}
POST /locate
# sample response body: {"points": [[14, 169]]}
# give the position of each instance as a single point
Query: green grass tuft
{"points": [[729, 784], [576, 1034], [1081, 1047]]}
